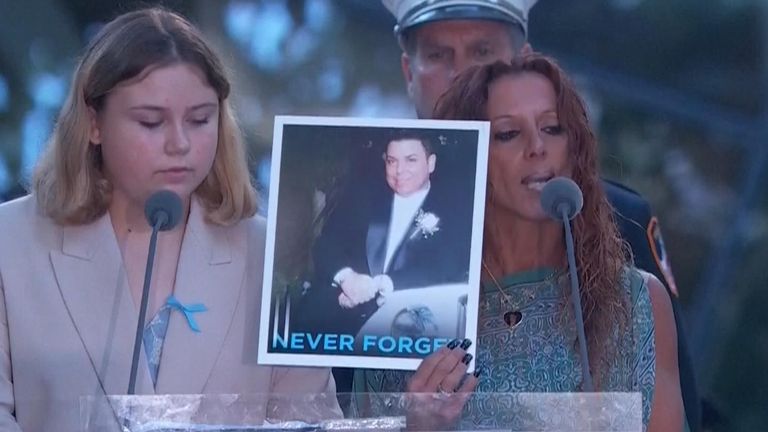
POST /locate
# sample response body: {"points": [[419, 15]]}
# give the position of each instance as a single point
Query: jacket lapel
{"points": [[376, 238], [94, 288], [210, 271], [411, 236]]}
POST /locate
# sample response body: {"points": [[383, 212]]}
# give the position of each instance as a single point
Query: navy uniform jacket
{"points": [[641, 230]]}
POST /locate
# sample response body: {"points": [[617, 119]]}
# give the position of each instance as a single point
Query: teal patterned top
{"points": [[540, 353]]}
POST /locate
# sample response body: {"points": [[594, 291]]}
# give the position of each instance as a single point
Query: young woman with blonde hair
{"points": [[148, 109]]}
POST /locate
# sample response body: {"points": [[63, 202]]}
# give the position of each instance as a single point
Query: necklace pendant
{"points": [[512, 318]]}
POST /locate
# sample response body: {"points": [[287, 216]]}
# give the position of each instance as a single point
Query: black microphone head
{"points": [[163, 206], [561, 193]]}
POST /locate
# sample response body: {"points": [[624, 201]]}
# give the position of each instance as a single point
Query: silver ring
{"points": [[442, 391]]}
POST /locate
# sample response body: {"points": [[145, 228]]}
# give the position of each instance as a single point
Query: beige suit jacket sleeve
{"points": [[7, 419]]}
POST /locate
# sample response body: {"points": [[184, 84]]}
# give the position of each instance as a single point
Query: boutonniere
{"points": [[427, 224]]}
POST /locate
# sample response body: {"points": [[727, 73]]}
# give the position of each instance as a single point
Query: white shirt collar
{"points": [[404, 209], [417, 196]]}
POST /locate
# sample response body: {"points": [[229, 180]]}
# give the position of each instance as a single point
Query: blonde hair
{"points": [[69, 184]]}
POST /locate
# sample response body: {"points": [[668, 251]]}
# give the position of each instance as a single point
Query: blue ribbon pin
{"points": [[187, 310]]}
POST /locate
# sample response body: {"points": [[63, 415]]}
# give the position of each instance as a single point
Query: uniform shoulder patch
{"points": [[656, 242]]}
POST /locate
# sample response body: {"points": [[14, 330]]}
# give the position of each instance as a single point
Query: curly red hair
{"points": [[600, 252]]}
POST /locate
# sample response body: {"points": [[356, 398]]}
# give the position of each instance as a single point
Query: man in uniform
{"points": [[441, 38]]}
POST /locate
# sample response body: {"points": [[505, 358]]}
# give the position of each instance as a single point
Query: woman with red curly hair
{"points": [[527, 340]]}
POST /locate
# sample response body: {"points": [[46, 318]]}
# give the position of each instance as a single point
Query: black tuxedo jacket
{"points": [[355, 236], [358, 239]]}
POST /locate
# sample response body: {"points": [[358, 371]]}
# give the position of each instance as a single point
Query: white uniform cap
{"points": [[411, 13]]}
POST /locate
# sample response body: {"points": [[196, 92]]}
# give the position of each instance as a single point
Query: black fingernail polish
{"points": [[453, 344], [466, 343], [467, 358], [479, 371]]}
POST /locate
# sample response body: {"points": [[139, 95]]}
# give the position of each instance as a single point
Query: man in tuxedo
{"points": [[408, 231]]}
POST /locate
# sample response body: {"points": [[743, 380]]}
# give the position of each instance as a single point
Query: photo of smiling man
{"points": [[391, 264]]}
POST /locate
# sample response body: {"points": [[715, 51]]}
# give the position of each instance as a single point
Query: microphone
{"points": [[562, 200], [559, 195], [163, 211]]}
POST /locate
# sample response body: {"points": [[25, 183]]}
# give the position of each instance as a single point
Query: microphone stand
{"points": [[576, 298], [162, 219]]}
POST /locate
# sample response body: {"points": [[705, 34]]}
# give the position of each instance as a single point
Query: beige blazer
{"points": [[68, 321]]}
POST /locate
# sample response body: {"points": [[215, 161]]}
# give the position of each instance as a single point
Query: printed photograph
{"points": [[374, 246]]}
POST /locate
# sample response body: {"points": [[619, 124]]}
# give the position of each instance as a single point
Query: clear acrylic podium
{"points": [[604, 412]]}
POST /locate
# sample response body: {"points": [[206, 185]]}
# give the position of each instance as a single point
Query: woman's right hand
{"points": [[443, 377]]}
